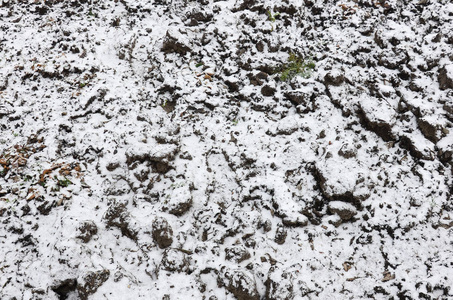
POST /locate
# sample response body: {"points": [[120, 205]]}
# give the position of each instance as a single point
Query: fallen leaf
{"points": [[47, 171], [22, 161], [32, 196], [388, 276], [347, 266], [352, 278]]}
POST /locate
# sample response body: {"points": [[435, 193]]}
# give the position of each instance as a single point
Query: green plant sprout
{"points": [[296, 66], [27, 178], [272, 17], [64, 182], [177, 185], [92, 14], [164, 103]]}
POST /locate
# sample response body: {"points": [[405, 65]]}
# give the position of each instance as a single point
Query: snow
{"points": [[449, 69], [94, 115]]}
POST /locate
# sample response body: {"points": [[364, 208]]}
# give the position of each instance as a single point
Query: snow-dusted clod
{"points": [[236, 149]]}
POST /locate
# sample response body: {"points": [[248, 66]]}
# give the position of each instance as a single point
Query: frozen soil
{"points": [[151, 149]]}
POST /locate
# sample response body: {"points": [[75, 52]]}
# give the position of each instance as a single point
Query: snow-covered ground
{"points": [[152, 150]]}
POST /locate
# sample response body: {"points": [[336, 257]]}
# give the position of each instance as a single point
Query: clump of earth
{"points": [[234, 149]]}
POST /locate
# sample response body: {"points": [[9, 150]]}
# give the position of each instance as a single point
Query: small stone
{"points": [[45, 208], [90, 282], [197, 16], [379, 40], [249, 241], [65, 288], [174, 43], [344, 210], [280, 235], [335, 220], [174, 260], [298, 97], [240, 284], [157, 155], [407, 142], [162, 233], [267, 225], [268, 91], [5, 111], [232, 84], [279, 285], [86, 231], [117, 276], [392, 60], [262, 76], [118, 216], [295, 221], [178, 200], [237, 253], [112, 166], [334, 78], [445, 77], [428, 129], [446, 221], [347, 151], [287, 125], [377, 116]]}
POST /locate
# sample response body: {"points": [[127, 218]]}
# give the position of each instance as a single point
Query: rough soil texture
{"points": [[152, 149]]}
